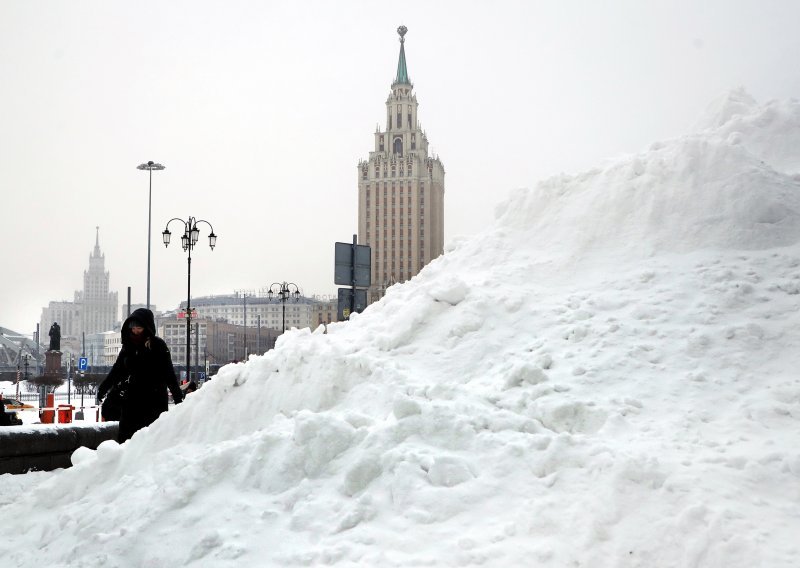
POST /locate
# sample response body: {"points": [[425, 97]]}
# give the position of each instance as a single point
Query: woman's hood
{"points": [[145, 318]]}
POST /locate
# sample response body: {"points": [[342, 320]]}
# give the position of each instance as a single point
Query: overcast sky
{"points": [[260, 112]]}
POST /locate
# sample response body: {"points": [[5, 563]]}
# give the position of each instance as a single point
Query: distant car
{"points": [[8, 417], [14, 404]]}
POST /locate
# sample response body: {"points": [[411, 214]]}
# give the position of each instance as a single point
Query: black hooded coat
{"points": [[144, 371]]}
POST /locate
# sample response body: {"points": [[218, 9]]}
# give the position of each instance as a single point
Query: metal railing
{"points": [[34, 397]]}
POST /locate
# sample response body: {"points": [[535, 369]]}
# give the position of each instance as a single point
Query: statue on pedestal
{"points": [[55, 337]]}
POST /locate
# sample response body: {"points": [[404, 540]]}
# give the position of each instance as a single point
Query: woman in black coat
{"points": [[143, 372]]}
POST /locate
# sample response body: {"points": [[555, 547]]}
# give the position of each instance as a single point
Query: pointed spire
{"points": [[97, 242], [402, 70]]}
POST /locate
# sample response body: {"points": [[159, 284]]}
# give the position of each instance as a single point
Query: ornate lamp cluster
{"points": [[284, 291], [191, 234]]}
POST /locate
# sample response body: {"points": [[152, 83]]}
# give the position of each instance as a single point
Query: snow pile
{"points": [[728, 187], [606, 377]]}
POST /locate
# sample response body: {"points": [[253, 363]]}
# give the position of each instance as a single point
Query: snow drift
{"points": [[604, 377]]}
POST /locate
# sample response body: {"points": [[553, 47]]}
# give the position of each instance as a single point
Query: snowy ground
{"points": [[605, 377]]}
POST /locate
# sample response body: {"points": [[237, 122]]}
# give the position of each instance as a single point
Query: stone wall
{"points": [[46, 447]]}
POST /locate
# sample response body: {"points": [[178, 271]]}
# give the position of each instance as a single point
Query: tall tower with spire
{"points": [[98, 305], [400, 190], [94, 309]]}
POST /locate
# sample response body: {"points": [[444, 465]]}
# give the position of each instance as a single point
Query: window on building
{"points": [[398, 146]]}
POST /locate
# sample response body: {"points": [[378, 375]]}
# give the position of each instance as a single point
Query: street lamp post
{"points": [[284, 291], [244, 294], [191, 234], [149, 166]]}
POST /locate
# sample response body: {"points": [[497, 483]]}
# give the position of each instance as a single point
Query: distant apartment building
{"points": [[126, 311], [101, 349], [400, 191], [249, 309], [324, 311], [213, 343]]}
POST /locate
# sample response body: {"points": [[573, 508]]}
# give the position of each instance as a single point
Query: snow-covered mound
{"points": [[605, 377], [727, 187]]}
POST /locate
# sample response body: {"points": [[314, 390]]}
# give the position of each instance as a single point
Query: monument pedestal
{"points": [[53, 375], [52, 364]]}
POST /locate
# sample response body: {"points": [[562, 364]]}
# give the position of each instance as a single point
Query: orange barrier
{"points": [[47, 415], [65, 413]]}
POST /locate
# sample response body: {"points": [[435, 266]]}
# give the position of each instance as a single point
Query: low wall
{"points": [[48, 447]]}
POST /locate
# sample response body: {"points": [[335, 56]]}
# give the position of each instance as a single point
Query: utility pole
{"points": [[70, 359], [197, 346], [37, 350]]}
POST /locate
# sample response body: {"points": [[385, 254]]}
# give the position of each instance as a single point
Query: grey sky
{"points": [[262, 110]]}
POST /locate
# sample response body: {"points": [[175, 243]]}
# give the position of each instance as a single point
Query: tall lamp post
{"points": [[284, 291], [191, 234], [149, 166]]}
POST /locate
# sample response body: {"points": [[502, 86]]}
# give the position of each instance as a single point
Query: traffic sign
{"points": [[83, 363], [352, 265], [345, 296]]}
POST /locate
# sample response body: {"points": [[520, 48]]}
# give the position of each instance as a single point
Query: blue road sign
{"points": [[83, 363]]}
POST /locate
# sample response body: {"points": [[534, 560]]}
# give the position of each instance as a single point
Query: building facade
{"points": [[400, 191], [324, 311], [102, 349], [126, 310], [213, 343], [94, 308], [255, 308]]}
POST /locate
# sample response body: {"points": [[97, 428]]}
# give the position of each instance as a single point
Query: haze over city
{"points": [[260, 113]]}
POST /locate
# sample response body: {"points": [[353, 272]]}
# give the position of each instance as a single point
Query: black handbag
{"points": [[111, 408]]}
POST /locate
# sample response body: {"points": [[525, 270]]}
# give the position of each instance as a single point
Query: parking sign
{"points": [[83, 363]]}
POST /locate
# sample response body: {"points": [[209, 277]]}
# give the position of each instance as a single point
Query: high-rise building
{"points": [[400, 191], [99, 306], [94, 309]]}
